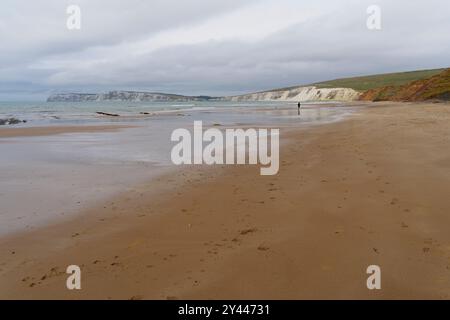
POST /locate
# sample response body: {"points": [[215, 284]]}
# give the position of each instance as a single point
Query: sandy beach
{"points": [[368, 190]]}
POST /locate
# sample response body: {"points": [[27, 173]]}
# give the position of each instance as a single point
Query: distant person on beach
{"points": [[298, 107]]}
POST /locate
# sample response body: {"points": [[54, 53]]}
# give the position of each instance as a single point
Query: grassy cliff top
{"points": [[381, 80]]}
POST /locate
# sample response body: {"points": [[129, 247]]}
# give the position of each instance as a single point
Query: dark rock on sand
{"points": [[11, 121], [107, 114]]}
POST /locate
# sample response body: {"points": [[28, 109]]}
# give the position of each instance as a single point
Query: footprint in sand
{"points": [[52, 273], [247, 231], [394, 201]]}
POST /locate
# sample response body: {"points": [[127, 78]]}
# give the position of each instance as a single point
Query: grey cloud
{"points": [[334, 44]]}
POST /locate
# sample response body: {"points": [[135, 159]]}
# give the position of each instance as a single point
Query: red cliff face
{"points": [[436, 87]]}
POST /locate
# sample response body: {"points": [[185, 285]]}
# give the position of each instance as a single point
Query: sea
{"points": [[59, 113]]}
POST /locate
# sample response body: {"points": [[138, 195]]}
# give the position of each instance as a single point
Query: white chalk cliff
{"points": [[122, 96], [310, 93]]}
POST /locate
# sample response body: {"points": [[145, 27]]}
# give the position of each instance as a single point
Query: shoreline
{"points": [[365, 190]]}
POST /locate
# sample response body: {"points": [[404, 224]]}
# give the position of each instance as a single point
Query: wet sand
{"points": [[8, 132], [372, 189]]}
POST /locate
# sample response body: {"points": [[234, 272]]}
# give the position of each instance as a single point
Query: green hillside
{"points": [[381, 80]]}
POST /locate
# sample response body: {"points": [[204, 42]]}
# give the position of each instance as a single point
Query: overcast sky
{"points": [[214, 47]]}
